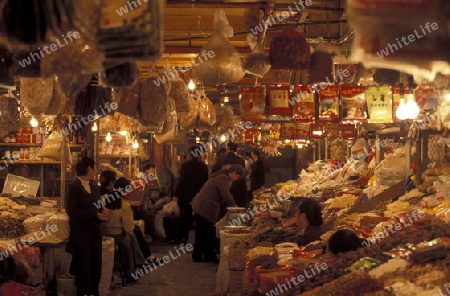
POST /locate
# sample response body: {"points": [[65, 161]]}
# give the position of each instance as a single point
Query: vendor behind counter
{"points": [[309, 221]]}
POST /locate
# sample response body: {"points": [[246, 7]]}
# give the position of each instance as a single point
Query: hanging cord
{"points": [[199, 22]]}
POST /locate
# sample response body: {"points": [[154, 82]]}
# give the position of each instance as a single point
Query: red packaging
{"points": [[39, 139], [348, 131], [329, 104], [253, 103], [249, 136], [303, 102], [331, 130], [288, 131], [316, 131], [19, 138], [353, 103], [302, 131], [33, 139], [279, 100]]}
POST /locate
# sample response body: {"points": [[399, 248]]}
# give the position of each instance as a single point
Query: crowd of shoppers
{"points": [[195, 195]]}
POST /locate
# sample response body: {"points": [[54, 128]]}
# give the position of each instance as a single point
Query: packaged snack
{"points": [[253, 103], [279, 100], [353, 103], [329, 104], [379, 104], [302, 131], [287, 131], [304, 109]]}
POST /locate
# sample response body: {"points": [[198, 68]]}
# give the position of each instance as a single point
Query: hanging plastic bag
{"points": [[180, 93], [225, 119], [321, 69], [189, 119], [258, 63], [207, 112], [289, 50], [52, 148], [58, 101], [128, 100], [171, 121], [218, 61], [36, 94], [152, 102]]}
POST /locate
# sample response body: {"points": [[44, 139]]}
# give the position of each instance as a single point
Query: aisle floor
{"points": [[180, 276]]}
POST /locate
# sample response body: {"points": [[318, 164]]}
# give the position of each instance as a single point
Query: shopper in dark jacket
{"points": [[85, 240], [193, 175], [238, 188], [258, 174], [207, 204], [309, 221]]}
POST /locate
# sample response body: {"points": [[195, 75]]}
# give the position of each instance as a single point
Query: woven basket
{"points": [[139, 38]]}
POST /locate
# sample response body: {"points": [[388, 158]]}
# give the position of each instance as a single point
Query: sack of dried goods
{"points": [[128, 100], [180, 93], [36, 94], [58, 101], [218, 61], [122, 75], [321, 69], [189, 119], [289, 50], [171, 121], [152, 102], [207, 112], [225, 119], [258, 63]]}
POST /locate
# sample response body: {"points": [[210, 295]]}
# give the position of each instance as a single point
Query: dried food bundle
{"points": [[189, 119], [321, 68], [258, 63], [207, 112], [171, 122], [225, 119], [52, 148], [164, 78], [152, 103], [122, 75], [128, 100], [58, 101], [218, 61], [180, 93], [289, 50], [36, 94], [29, 22]]}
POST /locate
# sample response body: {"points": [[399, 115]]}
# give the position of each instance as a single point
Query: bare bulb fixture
{"points": [[34, 122], [108, 137], [123, 133], [135, 144], [191, 85], [94, 127]]}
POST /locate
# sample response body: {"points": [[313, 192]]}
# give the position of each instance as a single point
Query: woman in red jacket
{"points": [[206, 205]]}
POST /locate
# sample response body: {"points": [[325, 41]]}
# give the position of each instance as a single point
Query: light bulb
{"points": [[108, 137], [197, 140], [226, 99], [402, 112], [123, 133], [412, 108], [223, 138], [191, 85], [34, 122], [135, 144], [94, 127]]}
